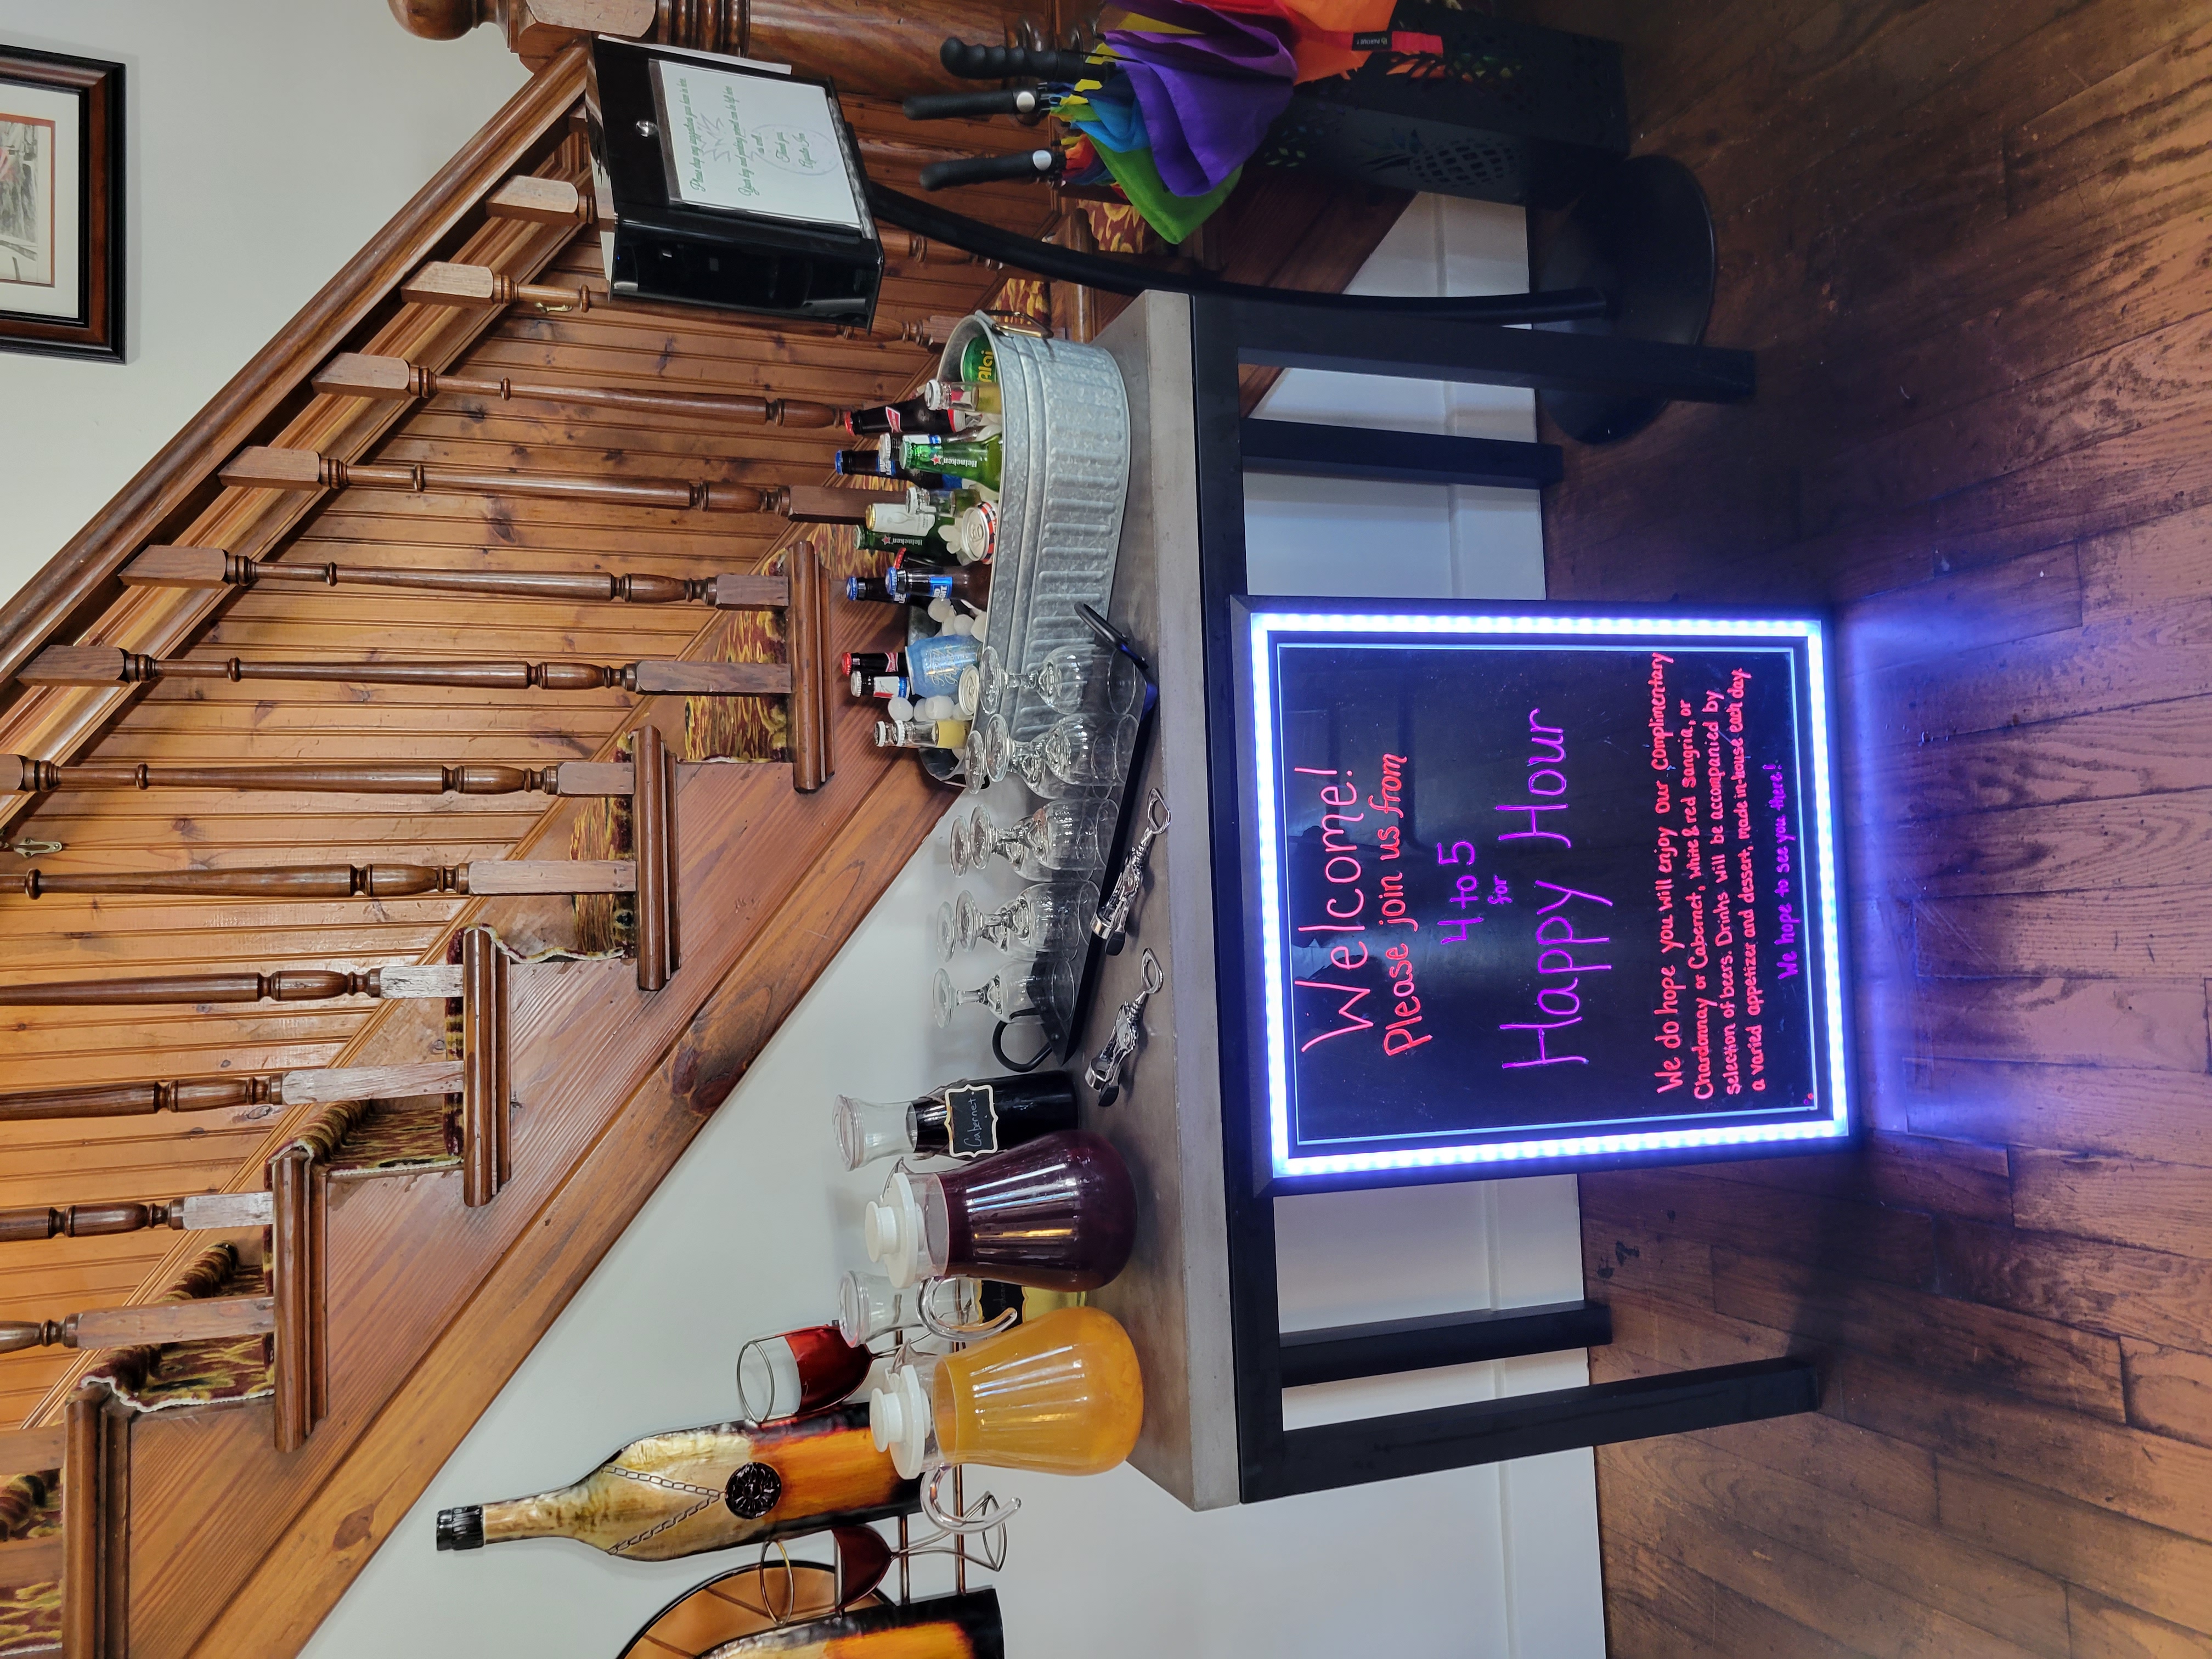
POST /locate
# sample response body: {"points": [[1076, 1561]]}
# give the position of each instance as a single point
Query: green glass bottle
{"points": [[975, 459]]}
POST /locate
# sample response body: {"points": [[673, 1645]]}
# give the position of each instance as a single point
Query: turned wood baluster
{"points": [[309, 1084], [138, 1099], [353, 374], [366, 778], [442, 284], [210, 566], [270, 468], [123, 990], [145, 1324], [340, 881], [540, 201], [439, 283], [918, 248], [304, 881], [41, 1221], [95, 665]]}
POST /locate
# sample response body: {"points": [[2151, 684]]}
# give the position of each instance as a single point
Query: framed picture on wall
{"points": [[61, 204]]}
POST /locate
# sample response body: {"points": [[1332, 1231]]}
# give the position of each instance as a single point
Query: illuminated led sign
{"points": [[1535, 890]]}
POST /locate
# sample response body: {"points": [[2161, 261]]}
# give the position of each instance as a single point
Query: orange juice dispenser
{"points": [[1061, 1394]]}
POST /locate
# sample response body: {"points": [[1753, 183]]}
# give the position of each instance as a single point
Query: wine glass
{"points": [[1077, 752], [1081, 677], [1061, 837], [1071, 679], [1047, 916], [1044, 982]]}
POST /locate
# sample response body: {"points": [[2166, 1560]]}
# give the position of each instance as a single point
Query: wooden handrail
{"points": [[181, 474]]}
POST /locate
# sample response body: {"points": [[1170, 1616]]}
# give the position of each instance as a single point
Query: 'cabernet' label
{"points": [[972, 1119]]}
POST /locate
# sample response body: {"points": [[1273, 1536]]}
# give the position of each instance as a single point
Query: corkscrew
{"points": [[1111, 924], [1104, 1072]]}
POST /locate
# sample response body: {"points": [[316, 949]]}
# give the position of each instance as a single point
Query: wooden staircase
{"points": [[243, 896], [298, 718]]}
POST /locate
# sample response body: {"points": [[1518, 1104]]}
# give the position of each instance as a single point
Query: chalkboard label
{"points": [[972, 1115], [1535, 889]]}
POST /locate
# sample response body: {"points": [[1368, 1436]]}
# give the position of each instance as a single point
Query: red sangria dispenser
{"points": [[1057, 1214]]}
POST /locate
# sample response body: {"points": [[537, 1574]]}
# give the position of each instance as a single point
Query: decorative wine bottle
{"points": [[676, 1494], [971, 1118], [938, 1627]]}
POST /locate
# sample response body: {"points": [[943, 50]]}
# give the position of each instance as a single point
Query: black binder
{"points": [[726, 183]]}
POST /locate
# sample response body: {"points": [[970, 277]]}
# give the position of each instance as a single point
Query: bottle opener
{"points": [[1104, 1072], [1111, 924]]}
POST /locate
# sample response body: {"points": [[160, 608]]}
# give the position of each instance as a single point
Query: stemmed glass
{"points": [[1047, 916], [1044, 982], [1079, 751], [1061, 837], [1072, 679]]}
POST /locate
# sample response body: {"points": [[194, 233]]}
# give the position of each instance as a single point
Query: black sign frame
{"points": [[1251, 980]]}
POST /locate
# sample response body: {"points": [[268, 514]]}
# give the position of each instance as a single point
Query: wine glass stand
{"points": [[1198, 1296]]}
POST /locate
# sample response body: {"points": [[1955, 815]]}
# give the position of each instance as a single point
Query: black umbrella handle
{"points": [[980, 63], [989, 169], [951, 105]]}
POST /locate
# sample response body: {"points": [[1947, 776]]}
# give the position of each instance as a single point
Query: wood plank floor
{"points": [[1972, 243]]}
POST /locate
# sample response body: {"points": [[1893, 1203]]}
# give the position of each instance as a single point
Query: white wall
{"points": [[750, 1231], [265, 141]]}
